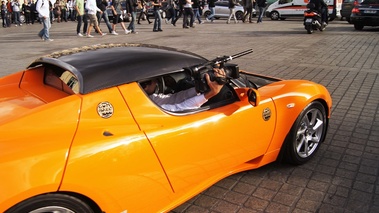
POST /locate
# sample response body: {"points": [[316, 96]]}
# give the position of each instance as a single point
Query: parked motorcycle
{"points": [[312, 19]]}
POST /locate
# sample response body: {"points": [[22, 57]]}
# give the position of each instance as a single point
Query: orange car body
{"points": [[142, 158]]}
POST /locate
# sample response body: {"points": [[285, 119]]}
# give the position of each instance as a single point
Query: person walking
{"points": [[143, 12], [92, 9], [248, 11], [157, 15], [232, 12], [261, 7], [211, 6], [188, 13], [102, 5], [196, 10], [131, 8], [171, 8], [116, 10], [81, 17], [43, 8]]}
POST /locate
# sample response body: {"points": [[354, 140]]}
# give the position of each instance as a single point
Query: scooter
{"points": [[312, 19]]}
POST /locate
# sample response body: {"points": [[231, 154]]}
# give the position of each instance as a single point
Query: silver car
{"points": [[222, 10]]}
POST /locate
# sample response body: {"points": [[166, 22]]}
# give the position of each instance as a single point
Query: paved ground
{"points": [[343, 176]]}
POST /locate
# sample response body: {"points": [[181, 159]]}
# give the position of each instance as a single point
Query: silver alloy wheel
{"points": [[52, 209], [309, 133]]}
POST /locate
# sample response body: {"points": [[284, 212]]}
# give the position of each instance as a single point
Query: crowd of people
{"points": [[89, 13]]}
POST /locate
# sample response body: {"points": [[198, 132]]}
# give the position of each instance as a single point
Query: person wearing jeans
{"points": [[44, 14], [81, 17], [261, 7], [211, 5], [131, 8], [157, 15]]}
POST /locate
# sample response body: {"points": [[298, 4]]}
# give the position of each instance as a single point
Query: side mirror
{"points": [[254, 97]]}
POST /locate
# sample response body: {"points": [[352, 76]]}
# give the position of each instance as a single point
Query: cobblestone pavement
{"points": [[344, 174]]}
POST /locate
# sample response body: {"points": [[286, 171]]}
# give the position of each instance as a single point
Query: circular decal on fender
{"points": [[105, 109], [266, 114]]}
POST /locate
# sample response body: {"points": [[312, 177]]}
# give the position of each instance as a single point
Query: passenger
{"points": [[186, 99]]}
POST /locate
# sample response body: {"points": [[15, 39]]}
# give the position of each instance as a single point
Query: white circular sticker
{"points": [[105, 109]]}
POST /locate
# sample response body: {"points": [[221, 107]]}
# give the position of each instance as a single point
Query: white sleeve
{"points": [[191, 103]]}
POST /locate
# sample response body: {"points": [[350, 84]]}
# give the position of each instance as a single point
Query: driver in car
{"points": [[186, 99]]}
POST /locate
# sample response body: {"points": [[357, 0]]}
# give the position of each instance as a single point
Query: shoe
{"points": [[207, 19], [150, 22], [40, 37], [114, 33], [103, 34], [186, 27], [80, 35], [127, 32], [166, 21], [134, 32], [155, 31], [173, 24], [20, 24], [227, 22], [192, 26], [160, 30], [15, 25], [138, 23], [201, 22], [48, 39], [89, 36]]}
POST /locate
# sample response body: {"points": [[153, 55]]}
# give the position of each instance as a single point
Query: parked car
{"points": [[365, 14], [347, 6], [222, 10], [80, 134]]}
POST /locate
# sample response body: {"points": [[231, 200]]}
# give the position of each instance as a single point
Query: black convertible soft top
{"points": [[103, 66]]}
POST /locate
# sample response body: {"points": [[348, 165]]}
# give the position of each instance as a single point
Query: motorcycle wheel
{"points": [[309, 29]]}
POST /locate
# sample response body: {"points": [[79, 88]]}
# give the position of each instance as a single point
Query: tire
{"points": [[306, 134], [358, 26], [239, 15], [309, 29], [52, 203], [274, 15], [207, 13]]}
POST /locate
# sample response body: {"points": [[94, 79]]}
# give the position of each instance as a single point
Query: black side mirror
{"points": [[253, 97]]}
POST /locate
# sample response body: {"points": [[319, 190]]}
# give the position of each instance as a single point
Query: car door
{"points": [[195, 148], [222, 9]]}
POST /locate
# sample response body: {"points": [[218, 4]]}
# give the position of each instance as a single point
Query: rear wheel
{"points": [[239, 15], [306, 134], [309, 29], [358, 26], [57, 203]]}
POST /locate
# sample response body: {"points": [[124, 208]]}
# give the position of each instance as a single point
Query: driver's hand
{"points": [[214, 86]]}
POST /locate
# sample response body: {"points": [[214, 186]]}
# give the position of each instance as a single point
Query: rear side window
{"points": [[370, 2]]}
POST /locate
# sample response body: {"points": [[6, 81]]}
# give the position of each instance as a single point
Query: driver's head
{"points": [[149, 86]]}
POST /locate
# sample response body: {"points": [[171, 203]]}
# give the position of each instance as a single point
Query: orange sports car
{"points": [[80, 134]]}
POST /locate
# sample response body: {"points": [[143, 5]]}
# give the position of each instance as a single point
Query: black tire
{"points": [[306, 134], [274, 15], [309, 29], [207, 13], [239, 15], [358, 26], [52, 203]]}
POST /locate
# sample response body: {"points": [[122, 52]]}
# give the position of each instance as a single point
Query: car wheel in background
{"points": [[52, 203], [274, 15], [239, 15], [358, 26], [306, 134]]}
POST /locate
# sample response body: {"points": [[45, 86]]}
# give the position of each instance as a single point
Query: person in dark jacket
{"points": [[261, 7], [322, 8], [102, 5], [211, 5]]}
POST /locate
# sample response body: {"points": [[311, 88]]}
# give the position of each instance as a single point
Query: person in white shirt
{"points": [[186, 99], [43, 10], [92, 9]]}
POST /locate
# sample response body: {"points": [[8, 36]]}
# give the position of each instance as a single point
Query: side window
{"points": [[61, 80]]}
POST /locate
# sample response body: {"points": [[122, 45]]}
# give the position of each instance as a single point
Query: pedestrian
{"points": [[33, 12], [157, 16], [102, 5], [92, 9], [171, 8], [63, 6], [43, 8], [261, 7], [4, 14], [248, 13], [57, 10], [196, 10], [232, 12], [188, 13], [180, 5], [16, 12], [116, 10], [26, 11], [143, 7], [211, 6], [131, 8], [81, 17], [10, 12]]}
